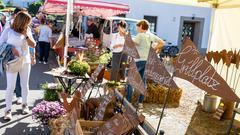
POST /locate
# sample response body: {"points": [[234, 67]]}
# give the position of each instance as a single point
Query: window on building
{"points": [[152, 22]]}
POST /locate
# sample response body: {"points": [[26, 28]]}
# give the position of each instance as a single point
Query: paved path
{"points": [[24, 124]]}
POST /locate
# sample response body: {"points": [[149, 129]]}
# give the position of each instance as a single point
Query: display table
{"points": [[61, 74]]}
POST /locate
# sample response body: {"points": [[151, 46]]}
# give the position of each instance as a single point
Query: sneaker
{"points": [[44, 62], [140, 105], [25, 109], [8, 115], [40, 62], [19, 100]]}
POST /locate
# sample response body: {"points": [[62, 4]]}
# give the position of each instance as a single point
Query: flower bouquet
{"points": [[44, 111]]}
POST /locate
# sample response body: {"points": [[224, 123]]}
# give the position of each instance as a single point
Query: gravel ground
{"points": [[181, 116]]}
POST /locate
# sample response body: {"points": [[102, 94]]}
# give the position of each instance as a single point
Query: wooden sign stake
{"points": [[164, 106]]}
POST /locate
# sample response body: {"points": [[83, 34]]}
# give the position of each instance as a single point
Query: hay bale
{"points": [[156, 94]]}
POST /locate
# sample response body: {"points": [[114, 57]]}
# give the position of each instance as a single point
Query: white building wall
{"points": [[169, 17]]}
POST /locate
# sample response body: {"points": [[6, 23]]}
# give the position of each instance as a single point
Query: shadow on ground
{"points": [[23, 124], [203, 123], [24, 129]]}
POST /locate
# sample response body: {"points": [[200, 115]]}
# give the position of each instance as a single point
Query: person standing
{"points": [[20, 36], [45, 40], [8, 25], [118, 56], [144, 40], [92, 29]]}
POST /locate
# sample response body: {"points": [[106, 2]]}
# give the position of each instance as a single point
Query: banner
{"points": [[120, 124], [130, 47], [192, 67], [156, 71], [103, 105], [134, 78], [92, 79]]}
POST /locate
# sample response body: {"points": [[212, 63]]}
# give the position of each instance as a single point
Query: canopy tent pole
{"points": [[211, 30], [69, 14]]}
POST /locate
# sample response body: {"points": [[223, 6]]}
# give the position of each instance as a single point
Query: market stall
{"points": [[88, 7]]}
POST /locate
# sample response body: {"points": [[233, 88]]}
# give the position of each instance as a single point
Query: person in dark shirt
{"points": [[92, 29]]}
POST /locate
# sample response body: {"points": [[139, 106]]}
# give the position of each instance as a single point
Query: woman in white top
{"points": [[20, 36], [45, 41], [118, 57]]}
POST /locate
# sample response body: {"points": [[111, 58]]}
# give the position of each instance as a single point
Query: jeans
{"points": [[44, 48], [117, 71], [141, 68], [18, 87], [11, 83]]}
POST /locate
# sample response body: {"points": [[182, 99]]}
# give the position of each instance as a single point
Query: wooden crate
{"points": [[86, 124]]}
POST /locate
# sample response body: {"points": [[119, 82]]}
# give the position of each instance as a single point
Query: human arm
{"points": [[3, 39], [159, 43], [29, 38]]}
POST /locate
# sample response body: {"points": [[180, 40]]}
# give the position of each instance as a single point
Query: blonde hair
{"points": [[21, 21]]}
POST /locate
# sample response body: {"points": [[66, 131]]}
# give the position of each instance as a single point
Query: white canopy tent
{"points": [[225, 21]]}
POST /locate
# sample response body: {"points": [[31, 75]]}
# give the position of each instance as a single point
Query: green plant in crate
{"points": [[78, 67], [113, 84], [51, 91]]}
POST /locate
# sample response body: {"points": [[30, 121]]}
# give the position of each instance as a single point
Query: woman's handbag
{"points": [[15, 65]]}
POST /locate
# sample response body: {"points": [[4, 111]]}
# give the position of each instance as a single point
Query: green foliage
{"points": [[50, 91], [2, 5], [104, 58], [113, 84], [78, 67], [51, 17], [34, 7]]}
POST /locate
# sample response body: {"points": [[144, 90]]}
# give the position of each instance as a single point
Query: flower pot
{"points": [[210, 103]]}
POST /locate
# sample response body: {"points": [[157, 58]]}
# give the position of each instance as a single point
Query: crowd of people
{"points": [[23, 33]]}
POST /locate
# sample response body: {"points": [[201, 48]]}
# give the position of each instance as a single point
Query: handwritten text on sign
{"points": [[130, 47], [102, 107], [134, 78], [119, 124], [156, 71], [192, 67], [92, 79]]}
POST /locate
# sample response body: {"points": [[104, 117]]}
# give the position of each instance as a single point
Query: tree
{"points": [[34, 7], [2, 5]]}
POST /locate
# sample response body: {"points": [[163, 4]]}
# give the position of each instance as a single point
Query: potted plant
{"points": [[111, 85], [45, 110], [51, 91], [78, 67]]}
